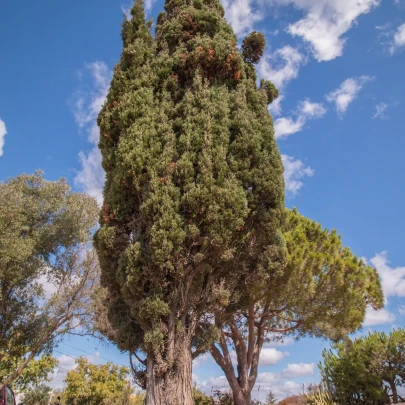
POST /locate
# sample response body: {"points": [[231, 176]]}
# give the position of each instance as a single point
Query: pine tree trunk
{"points": [[173, 386], [240, 398], [394, 392]]}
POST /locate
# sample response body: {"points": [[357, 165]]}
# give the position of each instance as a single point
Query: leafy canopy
{"points": [[90, 384], [38, 395], [36, 372], [44, 229], [367, 370]]}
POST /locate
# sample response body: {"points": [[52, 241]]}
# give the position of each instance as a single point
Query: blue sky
{"points": [[339, 122]]}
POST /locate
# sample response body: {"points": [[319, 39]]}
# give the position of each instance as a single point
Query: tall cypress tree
{"points": [[194, 197]]}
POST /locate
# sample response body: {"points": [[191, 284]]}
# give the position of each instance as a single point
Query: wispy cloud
{"points": [[281, 66], [307, 110], [380, 111], [87, 106], [392, 278], [3, 133], [294, 172], [347, 93], [398, 40]]}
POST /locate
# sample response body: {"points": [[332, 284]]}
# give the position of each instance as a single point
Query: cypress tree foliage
{"points": [[194, 195]]}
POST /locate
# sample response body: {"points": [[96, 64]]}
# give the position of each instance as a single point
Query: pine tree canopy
{"points": [[194, 196]]}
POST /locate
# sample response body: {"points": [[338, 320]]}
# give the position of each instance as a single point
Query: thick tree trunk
{"points": [[172, 386]]}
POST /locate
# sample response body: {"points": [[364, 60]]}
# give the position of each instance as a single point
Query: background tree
{"points": [[139, 399], [90, 384], [294, 400], [323, 292], [201, 399], [46, 276], [36, 372], [194, 195], [367, 370], [271, 398], [223, 397], [39, 395]]}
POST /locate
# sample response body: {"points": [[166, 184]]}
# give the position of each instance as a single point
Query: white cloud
{"points": [[65, 364], [203, 359], [326, 22], [149, 5], [294, 171], [380, 110], [271, 356], [392, 278], [399, 37], [241, 15], [281, 66], [279, 383], [268, 356], [393, 285], [91, 177], [398, 40], [298, 370], [286, 126], [347, 93], [380, 317], [312, 110], [3, 133]]}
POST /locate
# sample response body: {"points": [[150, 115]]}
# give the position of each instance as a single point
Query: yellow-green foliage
{"points": [[320, 398], [90, 384]]}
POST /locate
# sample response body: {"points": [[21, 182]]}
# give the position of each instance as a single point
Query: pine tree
{"points": [[324, 291], [271, 398], [194, 194]]}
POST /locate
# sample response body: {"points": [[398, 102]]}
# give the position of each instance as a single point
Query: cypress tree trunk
{"points": [[174, 385]]}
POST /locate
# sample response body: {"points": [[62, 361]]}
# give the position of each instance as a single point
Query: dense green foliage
{"points": [[36, 372], [367, 370], [90, 384], [44, 227], [194, 195], [38, 395]]}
